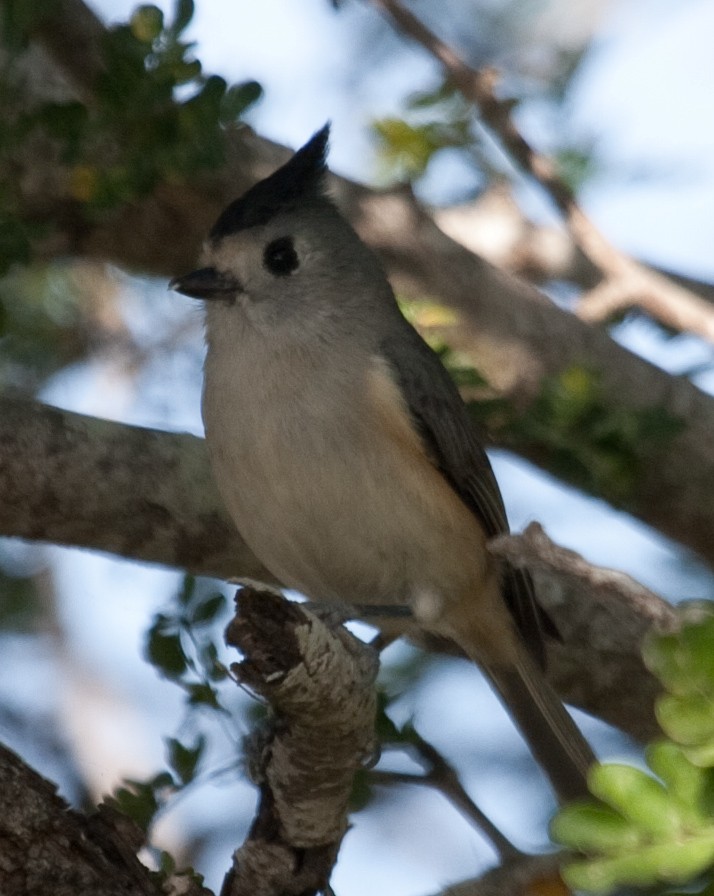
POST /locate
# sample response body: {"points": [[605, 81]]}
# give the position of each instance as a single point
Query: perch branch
{"points": [[319, 682]]}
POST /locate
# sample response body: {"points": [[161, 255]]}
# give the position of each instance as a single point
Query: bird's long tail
{"points": [[552, 735]]}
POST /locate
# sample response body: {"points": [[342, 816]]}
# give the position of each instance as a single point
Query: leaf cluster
{"points": [[180, 646], [433, 121], [656, 828], [441, 119], [154, 116]]}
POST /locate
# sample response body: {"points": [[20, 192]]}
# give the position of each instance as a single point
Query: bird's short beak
{"points": [[206, 283]]}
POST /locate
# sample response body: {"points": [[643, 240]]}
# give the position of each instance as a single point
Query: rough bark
{"points": [[319, 681], [45, 847], [140, 493]]}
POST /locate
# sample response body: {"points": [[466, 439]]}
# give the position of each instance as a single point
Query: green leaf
{"points": [[637, 796], [165, 652], [664, 657], [575, 166], [410, 147], [202, 694], [238, 98], [701, 754], [672, 862], [186, 70], [187, 590], [146, 23], [208, 658], [687, 719], [138, 801], [691, 785], [212, 91], [592, 828], [167, 863], [207, 610], [160, 782], [684, 660], [184, 760], [183, 13]]}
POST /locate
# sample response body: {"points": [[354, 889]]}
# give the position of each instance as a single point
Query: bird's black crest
{"points": [[299, 179]]}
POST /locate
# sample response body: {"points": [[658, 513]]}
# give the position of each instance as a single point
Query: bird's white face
{"points": [[272, 266], [304, 275]]}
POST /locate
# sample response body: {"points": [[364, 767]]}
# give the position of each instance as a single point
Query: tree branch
{"points": [[319, 681], [494, 226], [672, 304], [45, 847], [140, 493], [525, 876], [637, 287], [441, 775]]}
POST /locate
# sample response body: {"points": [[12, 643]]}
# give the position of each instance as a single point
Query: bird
{"points": [[345, 454]]}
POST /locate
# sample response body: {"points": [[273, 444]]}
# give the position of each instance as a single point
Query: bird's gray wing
{"points": [[442, 419]]}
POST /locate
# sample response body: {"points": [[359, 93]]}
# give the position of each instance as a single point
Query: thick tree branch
{"points": [[140, 493], [45, 847]]}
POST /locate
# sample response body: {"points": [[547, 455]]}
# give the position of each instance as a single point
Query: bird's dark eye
{"points": [[280, 257]]}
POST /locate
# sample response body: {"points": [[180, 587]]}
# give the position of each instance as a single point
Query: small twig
{"points": [[440, 775], [526, 876], [671, 304], [478, 86]]}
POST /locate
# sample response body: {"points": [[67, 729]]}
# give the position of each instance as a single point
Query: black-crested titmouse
{"points": [[344, 452]]}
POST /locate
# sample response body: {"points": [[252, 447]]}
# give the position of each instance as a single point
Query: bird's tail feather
{"points": [[552, 735]]}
